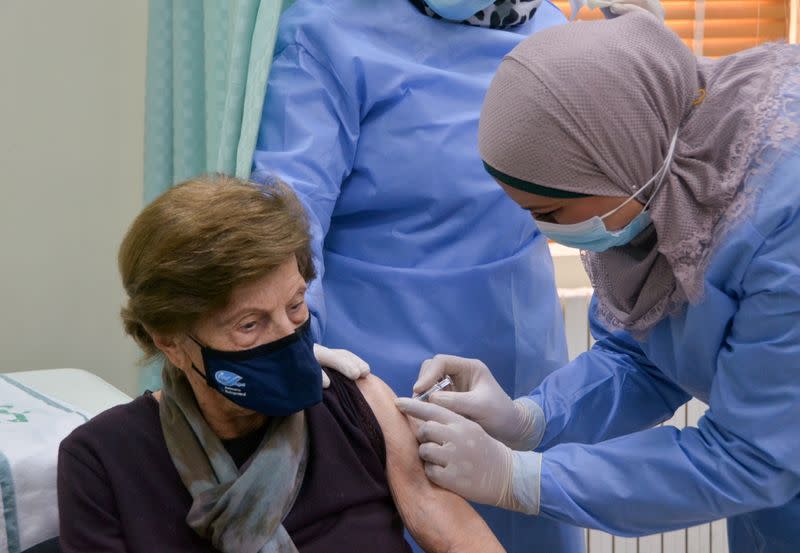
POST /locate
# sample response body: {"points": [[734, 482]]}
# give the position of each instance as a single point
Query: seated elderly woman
{"points": [[242, 450]]}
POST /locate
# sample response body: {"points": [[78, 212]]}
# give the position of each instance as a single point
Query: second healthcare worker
{"points": [[371, 116], [679, 178]]}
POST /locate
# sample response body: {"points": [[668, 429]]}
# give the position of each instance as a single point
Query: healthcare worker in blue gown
{"points": [[680, 178], [371, 115]]}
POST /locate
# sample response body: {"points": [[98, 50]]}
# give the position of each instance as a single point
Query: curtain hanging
{"points": [[207, 68]]}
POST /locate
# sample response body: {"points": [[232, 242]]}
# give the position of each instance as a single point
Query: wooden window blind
{"points": [[719, 27]]}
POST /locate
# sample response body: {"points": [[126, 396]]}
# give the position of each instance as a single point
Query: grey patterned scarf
{"points": [[591, 107], [239, 512], [500, 15]]}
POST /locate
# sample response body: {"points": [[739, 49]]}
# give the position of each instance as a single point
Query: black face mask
{"points": [[276, 379]]}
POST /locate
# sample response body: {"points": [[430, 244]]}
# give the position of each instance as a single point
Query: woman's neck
{"points": [[236, 427], [227, 420]]}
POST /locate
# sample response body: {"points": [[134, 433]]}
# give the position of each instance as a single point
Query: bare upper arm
{"points": [[401, 444], [438, 519]]}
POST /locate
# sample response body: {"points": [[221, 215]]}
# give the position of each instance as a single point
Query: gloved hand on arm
{"points": [[461, 457], [342, 361], [519, 424]]}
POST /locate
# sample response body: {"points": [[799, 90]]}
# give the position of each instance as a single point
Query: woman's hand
{"points": [[342, 361], [461, 457], [480, 398]]}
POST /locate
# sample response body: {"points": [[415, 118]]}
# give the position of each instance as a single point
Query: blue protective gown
{"points": [[739, 352], [371, 115]]}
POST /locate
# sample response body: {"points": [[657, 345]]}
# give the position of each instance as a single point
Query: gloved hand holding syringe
{"points": [[441, 385], [467, 387], [473, 437]]}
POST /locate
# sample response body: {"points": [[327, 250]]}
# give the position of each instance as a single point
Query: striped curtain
{"points": [[207, 68]]}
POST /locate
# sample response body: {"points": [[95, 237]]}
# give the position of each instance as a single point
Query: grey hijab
{"points": [[591, 108], [239, 512]]}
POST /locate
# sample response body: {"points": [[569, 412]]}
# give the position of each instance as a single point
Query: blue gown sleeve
{"points": [[745, 453], [308, 137], [606, 392]]}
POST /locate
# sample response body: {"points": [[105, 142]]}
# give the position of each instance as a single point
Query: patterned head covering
{"points": [[502, 14], [591, 108]]}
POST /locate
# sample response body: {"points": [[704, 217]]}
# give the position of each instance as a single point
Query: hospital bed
{"points": [[37, 409], [77, 387]]}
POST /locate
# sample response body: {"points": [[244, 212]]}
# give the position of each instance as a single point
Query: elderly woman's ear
{"points": [[173, 347]]}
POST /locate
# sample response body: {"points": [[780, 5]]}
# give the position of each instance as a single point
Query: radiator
{"points": [[707, 538]]}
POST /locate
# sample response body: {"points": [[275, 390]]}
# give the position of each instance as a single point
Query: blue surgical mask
{"points": [[458, 10], [593, 235], [276, 379]]}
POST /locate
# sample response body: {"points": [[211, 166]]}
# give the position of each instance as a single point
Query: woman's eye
{"points": [[248, 326], [297, 306]]}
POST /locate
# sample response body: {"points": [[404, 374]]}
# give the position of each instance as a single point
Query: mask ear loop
{"points": [[664, 170], [660, 174], [203, 376], [201, 346]]}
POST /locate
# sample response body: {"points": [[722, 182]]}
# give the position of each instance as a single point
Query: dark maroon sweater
{"points": [[118, 490]]}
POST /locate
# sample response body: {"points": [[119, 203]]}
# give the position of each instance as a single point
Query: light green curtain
{"points": [[207, 68]]}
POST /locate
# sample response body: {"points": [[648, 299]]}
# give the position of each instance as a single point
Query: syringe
{"points": [[441, 385]]}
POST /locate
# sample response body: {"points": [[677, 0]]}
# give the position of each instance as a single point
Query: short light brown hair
{"points": [[190, 248]]}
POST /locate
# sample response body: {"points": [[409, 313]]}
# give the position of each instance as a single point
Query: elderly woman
{"points": [[678, 177], [242, 451]]}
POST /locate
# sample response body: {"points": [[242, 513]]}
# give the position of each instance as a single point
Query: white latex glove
{"points": [[461, 457], [518, 424], [342, 361]]}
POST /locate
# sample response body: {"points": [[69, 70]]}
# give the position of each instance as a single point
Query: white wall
{"points": [[72, 80]]}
